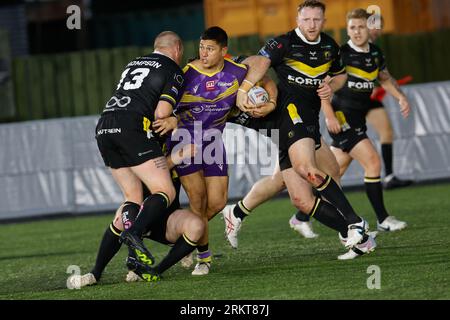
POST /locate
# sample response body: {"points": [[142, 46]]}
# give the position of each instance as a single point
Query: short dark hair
{"points": [[311, 4], [217, 34], [358, 14]]}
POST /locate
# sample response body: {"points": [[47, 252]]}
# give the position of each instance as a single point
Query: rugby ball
{"points": [[258, 96]]}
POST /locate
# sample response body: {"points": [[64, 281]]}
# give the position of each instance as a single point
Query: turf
{"points": [[272, 262]]}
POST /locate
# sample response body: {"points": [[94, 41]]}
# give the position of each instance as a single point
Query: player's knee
{"points": [[374, 163], [334, 171], [387, 135], [197, 202], [278, 184], [195, 228], [117, 222], [135, 197], [308, 172], [170, 192], [217, 205]]}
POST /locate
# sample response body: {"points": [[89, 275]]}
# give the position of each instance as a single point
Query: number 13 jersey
{"points": [[144, 82]]}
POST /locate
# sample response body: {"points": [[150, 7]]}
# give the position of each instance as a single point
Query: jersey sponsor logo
{"points": [[304, 81], [121, 103], [225, 84], [197, 109], [359, 85], [210, 85], [313, 55], [109, 131]]}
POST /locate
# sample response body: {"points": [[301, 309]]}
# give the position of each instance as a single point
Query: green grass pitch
{"points": [[272, 262]]}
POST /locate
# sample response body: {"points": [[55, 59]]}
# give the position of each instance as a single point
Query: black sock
{"points": [[152, 208], [203, 248], [374, 192], [331, 191], [182, 248], [240, 210], [301, 216], [386, 153], [109, 246], [130, 211], [329, 216]]}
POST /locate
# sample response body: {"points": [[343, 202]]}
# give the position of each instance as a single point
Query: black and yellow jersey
{"points": [[362, 69], [302, 65], [145, 81]]}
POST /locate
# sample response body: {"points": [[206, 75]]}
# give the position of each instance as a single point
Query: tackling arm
{"points": [[270, 86], [257, 68]]}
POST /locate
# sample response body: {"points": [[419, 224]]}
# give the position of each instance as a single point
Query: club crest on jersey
{"points": [[313, 55], [210, 85], [327, 55]]}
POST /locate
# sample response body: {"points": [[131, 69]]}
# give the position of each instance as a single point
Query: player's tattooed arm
{"points": [[391, 86]]}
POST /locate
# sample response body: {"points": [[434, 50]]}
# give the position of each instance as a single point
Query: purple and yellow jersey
{"points": [[209, 97]]}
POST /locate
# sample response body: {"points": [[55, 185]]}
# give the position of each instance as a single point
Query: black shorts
{"points": [[123, 142], [296, 122], [375, 104], [353, 126]]}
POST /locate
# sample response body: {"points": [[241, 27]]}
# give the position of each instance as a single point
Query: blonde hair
{"points": [[358, 14]]}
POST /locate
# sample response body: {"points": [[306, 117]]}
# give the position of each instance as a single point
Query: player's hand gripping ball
{"points": [[258, 96]]}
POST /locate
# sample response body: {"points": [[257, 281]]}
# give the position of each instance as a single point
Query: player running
{"points": [[365, 64], [302, 59]]}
